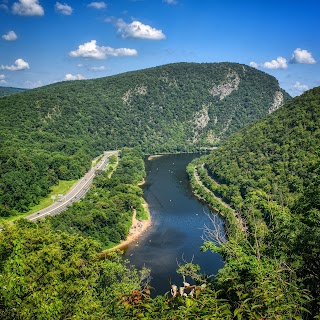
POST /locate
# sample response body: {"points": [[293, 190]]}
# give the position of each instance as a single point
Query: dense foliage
{"points": [[269, 174], [52, 132], [271, 185], [51, 269], [7, 91], [105, 214], [50, 275]]}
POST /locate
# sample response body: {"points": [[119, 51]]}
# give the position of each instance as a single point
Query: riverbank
{"points": [[234, 222], [160, 154], [138, 227]]}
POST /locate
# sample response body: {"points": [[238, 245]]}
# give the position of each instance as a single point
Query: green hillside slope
{"points": [[7, 91], [269, 174], [51, 132]]}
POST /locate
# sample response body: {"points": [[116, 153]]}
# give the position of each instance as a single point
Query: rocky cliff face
{"points": [[277, 101], [225, 88]]}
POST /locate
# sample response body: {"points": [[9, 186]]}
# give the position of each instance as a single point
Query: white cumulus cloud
{"points": [[97, 5], [78, 76], [92, 51], [300, 87], [10, 36], [254, 64], [27, 8], [19, 64], [136, 29], [279, 63], [302, 56], [63, 8]]}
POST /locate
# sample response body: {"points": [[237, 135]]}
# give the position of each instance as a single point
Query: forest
{"points": [[269, 174], [264, 180], [105, 214], [52, 133], [7, 91]]}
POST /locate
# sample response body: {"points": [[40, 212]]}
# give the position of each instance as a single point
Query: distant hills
{"points": [[51, 132], [7, 91]]}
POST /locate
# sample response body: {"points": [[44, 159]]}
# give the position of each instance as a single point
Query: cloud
{"points": [[300, 87], [33, 84], [27, 8], [279, 63], [302, 56], [78, 76], [90, 50], [170, 1], [254, 65], [136, 29], [97, 5], [10, 36], [101, 68], [63, 9], [19, 64], [2, 79]]}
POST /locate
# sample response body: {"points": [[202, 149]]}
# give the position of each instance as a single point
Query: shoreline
{"points": [[137, 228], [154, 156], [160, 154]]}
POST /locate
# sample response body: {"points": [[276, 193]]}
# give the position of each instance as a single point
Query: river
{"points": [[178, 218]]}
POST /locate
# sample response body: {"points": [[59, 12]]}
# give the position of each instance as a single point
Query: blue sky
{"points": [[42, 42]]}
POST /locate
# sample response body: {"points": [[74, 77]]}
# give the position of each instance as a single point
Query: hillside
{"points": [[273, 155], [269, 174], [7, 91], [51, 133]]}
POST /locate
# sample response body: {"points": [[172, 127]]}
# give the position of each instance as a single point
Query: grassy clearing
{"points": [[112, 165], [62, 188], [143, 211], [96, 160]]}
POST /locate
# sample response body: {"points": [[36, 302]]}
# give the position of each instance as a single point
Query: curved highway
{"points": [[77, 192]]}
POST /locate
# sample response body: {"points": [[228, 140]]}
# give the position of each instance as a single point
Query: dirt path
{"points": [[196, 175], [239, 219]]}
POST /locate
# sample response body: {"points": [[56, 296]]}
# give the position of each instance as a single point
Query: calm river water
{"points": [[177, 222]]}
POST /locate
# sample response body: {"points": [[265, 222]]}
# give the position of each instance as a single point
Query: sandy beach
{"points": [[137, 228], [154, 156]]}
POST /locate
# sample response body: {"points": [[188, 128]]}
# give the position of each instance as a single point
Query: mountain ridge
{"points": [[170, 108], [6, 91]]}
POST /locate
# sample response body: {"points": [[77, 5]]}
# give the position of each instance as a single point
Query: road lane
{"points": [[77, 192]]}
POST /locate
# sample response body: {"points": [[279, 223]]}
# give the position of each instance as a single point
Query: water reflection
{"points": [[178, 219]]}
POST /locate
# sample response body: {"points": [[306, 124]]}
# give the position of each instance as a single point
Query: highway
{"points": [[77, 192]]}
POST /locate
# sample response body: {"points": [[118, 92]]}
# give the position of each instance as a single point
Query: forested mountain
{"points": [[269, 174], [7, 91], [51, 270], [51, 133]]}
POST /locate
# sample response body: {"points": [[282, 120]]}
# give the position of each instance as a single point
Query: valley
{"points": [[255, 255]]}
